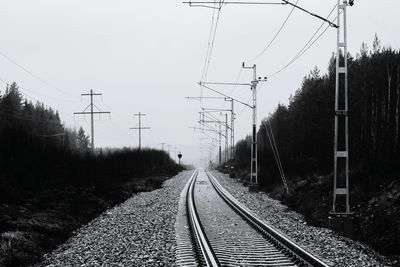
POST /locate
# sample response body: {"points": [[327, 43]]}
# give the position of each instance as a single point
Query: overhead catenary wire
{"points": [[248, 102], [210, 128], [308, 44], [212, 45], [274, 38], [234, 99], [208, 114], [208, 44], [235, 86]]}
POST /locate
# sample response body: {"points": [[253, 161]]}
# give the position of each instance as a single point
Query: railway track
{"points": [[225, 233]]}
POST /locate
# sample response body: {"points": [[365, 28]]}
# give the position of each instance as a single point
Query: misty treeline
{"points": [[38, 152], [304, 134], [304, 129]]}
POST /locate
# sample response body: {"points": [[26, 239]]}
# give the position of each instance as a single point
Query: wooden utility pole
{"points": [[162, 146], [91, 112], [140, 128]]}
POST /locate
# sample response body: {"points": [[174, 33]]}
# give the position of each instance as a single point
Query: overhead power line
{"points": [[21, 90], [211, 37], [209, 88], [208, 44], [37, 93], [211, 45], [308, 44], [236, 81], [274, 38], [34, 75]]}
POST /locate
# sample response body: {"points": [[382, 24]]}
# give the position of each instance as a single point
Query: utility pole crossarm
{"points": [[91, 113], [94, 112], [140, 128], [89, 94], [136, 128]]}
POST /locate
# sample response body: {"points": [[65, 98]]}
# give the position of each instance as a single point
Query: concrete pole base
{"points": [[254, 187], [232, 172], [342, 223]]}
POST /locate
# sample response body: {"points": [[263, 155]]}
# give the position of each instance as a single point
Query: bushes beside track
{"points": [[50, 183]]}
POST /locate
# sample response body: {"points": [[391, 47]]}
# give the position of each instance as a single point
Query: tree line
{"points": [[37, 151], [304, 128]]}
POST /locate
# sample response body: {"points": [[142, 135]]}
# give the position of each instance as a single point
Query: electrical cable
{"points": [[274, 38], [208, 43], [307, 46], [208, 49], [24, 93], [34, 75], [275, 151], [237, 80], [40, 94], [212, 45]]}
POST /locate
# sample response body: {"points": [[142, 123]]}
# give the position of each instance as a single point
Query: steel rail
{"points": [[199, 236], [301, 256]]}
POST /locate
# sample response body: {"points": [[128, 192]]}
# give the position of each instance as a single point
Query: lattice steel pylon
{"points": [[341, 202]]}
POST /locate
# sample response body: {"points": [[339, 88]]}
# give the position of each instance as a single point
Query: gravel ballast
{"points": [[138, 232], [334, 249]]}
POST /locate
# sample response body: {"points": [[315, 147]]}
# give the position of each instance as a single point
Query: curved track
{"points": [[225, 233]]}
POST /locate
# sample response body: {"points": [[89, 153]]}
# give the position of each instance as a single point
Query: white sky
{"points": [[148, 55]]}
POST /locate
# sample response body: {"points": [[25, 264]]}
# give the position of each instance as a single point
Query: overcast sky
{"points": [[148, 55]]}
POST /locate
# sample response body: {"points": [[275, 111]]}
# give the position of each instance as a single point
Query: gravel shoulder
{"points": [[330, 247], [138, 232]]}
